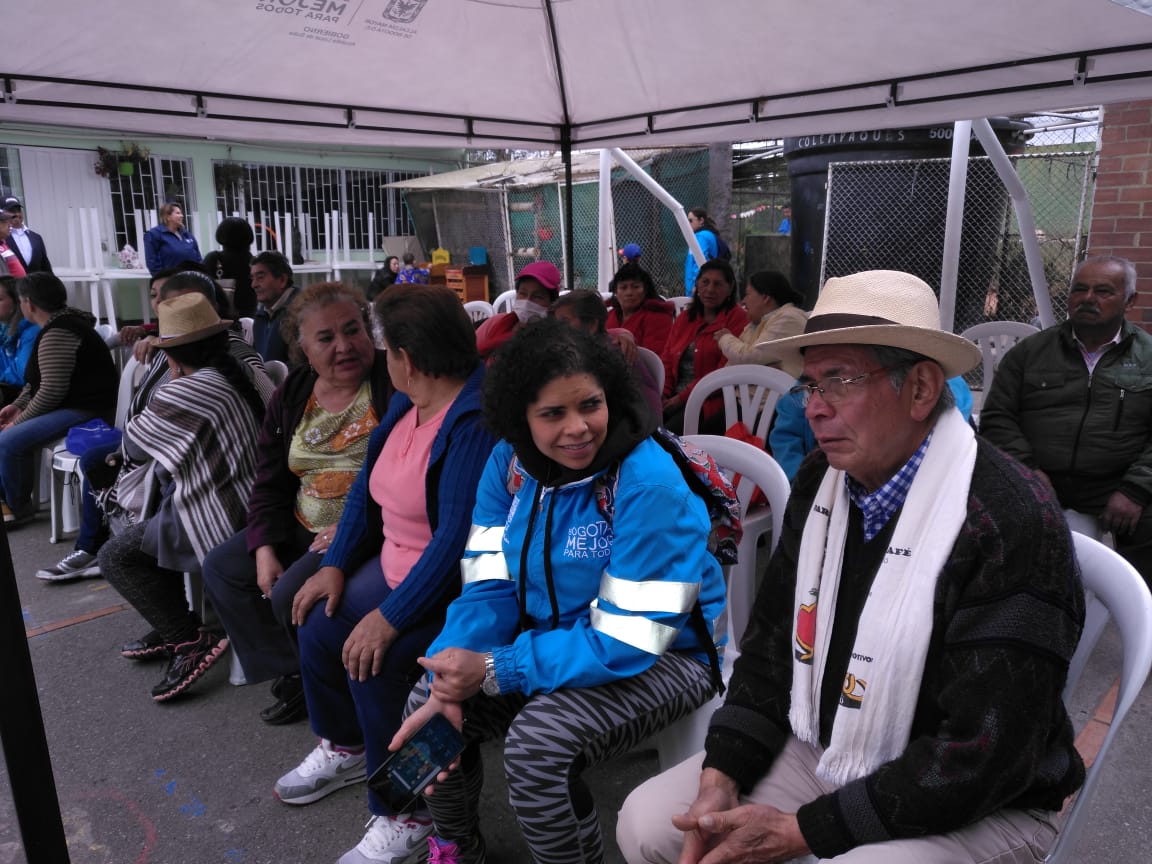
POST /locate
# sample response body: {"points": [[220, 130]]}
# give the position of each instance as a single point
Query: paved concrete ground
{"points": [[191, 782]]}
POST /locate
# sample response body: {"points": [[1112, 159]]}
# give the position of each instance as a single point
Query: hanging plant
{"points": [[122, 161], [230, 175]]}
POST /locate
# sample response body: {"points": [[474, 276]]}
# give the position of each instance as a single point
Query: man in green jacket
{"points": [[1075, 404]]}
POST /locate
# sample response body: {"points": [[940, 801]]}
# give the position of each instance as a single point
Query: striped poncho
{"points": [[204, 434]]}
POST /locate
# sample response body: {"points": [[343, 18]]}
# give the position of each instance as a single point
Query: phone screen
{"points": [[405, 773]]}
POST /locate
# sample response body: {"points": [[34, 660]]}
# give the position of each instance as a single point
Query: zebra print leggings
{"points": [[549, 739]]}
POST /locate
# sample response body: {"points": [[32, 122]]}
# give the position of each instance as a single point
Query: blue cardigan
{"points": [[15, 351], [458, 456]]}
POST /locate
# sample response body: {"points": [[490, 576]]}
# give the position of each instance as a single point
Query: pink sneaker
{"points": [[442, 852]]}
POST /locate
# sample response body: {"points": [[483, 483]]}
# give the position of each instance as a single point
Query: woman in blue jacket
{"points": [[170, 244], [587, 561], [17, 337]]}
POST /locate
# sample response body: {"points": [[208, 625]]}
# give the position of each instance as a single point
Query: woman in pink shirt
{"points": [[380, 594]]}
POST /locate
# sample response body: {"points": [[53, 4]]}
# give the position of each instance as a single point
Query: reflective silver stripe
{"points": [[487, 558], [672, 597], [482, 538], [642, 633]]}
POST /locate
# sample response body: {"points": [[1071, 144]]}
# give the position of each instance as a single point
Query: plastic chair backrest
{"points": [[246, 326], [750, 394], [756, 469], [478, 310], [654, 365], [129, 379], [680, 303], [994, 339], [1112, 588], [277, 371], [503, 303]]}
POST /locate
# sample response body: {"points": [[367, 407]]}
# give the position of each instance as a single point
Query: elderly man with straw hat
{"points": [[898, 693]]}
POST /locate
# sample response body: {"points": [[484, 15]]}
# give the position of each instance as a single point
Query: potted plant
{"points": [[122, 161]]}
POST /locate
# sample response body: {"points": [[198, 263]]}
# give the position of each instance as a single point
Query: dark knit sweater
{"points": [[990, 729], [70, 367]]}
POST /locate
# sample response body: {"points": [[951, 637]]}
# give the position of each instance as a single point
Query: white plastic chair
{"points": [[750, 394], [479, 310], [757, 469], [277, 371], [654, 365], [503, 303], [680, 303], [246, 326], [1112, 588], [994, 339]]}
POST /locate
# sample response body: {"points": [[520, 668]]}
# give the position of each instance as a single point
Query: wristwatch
{"points": [[490, 687]]}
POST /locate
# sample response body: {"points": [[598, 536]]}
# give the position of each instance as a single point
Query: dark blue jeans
{"points": [[348, 712], [93, 529]]}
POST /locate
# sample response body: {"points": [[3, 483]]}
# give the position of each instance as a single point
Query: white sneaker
{"points": [[322, 772], [391, 840], [75, 565]]}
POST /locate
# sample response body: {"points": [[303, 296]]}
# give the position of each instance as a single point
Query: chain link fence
{"points": [[891, 215]]}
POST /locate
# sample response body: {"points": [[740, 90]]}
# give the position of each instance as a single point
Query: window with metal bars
{"points": [[264, 194], [136, 197]]}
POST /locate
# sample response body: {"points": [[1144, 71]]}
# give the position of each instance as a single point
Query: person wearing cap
{"points": [[10, 263], [199, 430], [631, 253], [70, 379], [537, 287], [1074, 403], [898, 693], [26, 244]]}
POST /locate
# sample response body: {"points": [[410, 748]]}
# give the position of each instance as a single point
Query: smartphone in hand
{"points": [[405, 773]]}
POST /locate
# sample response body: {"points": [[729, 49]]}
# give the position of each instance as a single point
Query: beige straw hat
{"points": [[185, 319], [879, 307]]}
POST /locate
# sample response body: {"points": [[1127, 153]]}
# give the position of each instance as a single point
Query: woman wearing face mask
{"points": [[537, 287]]}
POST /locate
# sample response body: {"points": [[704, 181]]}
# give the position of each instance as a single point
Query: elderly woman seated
{"points": [[394, 564], [313, 443]]}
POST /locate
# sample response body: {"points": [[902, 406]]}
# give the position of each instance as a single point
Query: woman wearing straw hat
{"points": [[200, 429]]}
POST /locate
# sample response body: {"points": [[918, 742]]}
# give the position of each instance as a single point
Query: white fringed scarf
{"points": [[887, 661]]}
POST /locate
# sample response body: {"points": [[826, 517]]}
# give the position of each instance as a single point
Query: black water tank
{"points": [[892, 225]]}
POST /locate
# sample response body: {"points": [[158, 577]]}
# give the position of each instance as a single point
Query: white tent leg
{"points": [[606, 254], [625, 162], [954, 222], [1023, 207]]}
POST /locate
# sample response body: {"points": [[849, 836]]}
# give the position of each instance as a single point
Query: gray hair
{"points": [[903, 360], [1128, 266]]}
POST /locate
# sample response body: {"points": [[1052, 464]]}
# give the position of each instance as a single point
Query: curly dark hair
{"points": [[538, 353]]}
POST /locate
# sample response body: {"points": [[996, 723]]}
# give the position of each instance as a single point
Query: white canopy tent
{"points": [[559, 73]]}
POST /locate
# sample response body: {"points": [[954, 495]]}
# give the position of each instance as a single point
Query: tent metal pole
{"points": [[569, 251], [954, 222], [607, 251], [1023, 207], [22, 731], [645, 179]]}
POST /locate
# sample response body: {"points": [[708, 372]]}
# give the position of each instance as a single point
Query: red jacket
{"points": [[494, 332], [650, 324], [709, 357]]}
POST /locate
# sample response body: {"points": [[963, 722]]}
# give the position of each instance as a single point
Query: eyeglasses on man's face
{"points": [[834, 389]]}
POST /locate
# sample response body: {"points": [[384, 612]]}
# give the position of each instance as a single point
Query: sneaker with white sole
{"points": [[391, 840], [323, 771], [75, 565]]}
